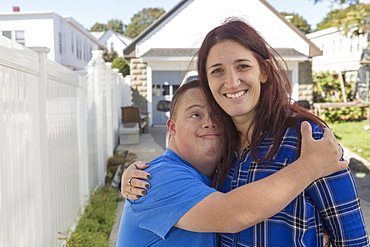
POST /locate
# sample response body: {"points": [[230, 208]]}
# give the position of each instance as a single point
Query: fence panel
{"points": [[63, 154], [57, 129], [19, 155]]}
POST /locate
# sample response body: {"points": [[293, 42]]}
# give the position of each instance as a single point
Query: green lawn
{"points": [[353, 136]]}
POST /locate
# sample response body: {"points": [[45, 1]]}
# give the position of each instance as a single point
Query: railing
{"points": [[57, 129], [320, 108]]}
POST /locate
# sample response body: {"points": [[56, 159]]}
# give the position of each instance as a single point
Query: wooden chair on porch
{"points": [[131, 114]]}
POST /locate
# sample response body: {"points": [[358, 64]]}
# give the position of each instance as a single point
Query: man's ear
{"points": [[171, 126]]}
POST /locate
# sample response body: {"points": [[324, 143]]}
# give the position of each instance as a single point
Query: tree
{"points": [[98, 27], [350, 2], [298, 21], [109, 56], [142, 20], [113, 24], [122, 66], [353, 20]]}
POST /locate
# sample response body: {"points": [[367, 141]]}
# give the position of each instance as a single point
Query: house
{"points": [[69, 42], [163, 53], [111, 40], [340, 54]]}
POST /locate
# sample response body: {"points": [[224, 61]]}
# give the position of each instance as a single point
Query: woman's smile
{"points": [[235, 95]]}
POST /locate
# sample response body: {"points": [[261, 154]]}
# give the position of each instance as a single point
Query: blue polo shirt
{"points": [[176, 187]]}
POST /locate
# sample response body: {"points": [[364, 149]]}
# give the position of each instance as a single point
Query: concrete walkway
{"points": [[151, 145], [146, 150]]}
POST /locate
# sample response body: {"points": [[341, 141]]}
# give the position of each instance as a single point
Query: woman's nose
{"points": [[232, 80]]}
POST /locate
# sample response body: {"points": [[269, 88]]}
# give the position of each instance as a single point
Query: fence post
{"points": [[42, 144], [99, 110], [116, 106], [82, 140], [108, 91]]}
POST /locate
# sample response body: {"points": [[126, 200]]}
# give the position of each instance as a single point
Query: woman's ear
{"points": [[171, 126], [264, 76]]}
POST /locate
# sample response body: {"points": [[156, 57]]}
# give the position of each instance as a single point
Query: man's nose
{"points": [[208, 122]]}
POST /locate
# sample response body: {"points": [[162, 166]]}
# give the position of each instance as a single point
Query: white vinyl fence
{"points": [[57, 129]]}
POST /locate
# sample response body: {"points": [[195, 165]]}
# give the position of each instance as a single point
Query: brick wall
{"points": [[305, 82], [138, 84]]}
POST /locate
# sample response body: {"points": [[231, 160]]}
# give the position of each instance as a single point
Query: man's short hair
{"points": [[179, 93]]}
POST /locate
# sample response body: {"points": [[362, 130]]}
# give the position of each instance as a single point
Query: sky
{"points": [[88, 12]]}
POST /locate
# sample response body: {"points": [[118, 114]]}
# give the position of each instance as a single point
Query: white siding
{"points": [[340, 53], [189, 25], [42, 29]]}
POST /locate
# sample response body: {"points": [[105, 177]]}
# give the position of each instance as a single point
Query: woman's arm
{"points": [[255, 202], [336, 198], [252, 203]]}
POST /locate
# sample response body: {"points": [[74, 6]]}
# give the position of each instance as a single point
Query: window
{"points": [[333, 46], [85, 52], [166, 90], [174, 88], [111, 46], [7, 34], [358, 43], [19, 37], [72, 43], [60, 43], [156, 90], [78, 48]]}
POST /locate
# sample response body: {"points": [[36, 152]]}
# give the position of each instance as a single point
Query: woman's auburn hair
{"points": [[275, 112]]}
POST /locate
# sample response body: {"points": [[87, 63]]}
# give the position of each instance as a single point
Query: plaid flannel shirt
{"points": [[329, 203]]}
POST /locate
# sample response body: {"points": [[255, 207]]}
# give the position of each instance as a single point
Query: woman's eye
{"points": [[243, 66], [195, 115], [216, 71]]}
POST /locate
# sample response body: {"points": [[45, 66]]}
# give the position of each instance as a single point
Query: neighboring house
{"points": [[111, 40], [340, 54], [69, 42], [162, 54]]}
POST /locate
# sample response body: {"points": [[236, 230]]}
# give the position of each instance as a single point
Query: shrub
{"points": [[122, 66], [95, 224], [327, 88], [344, 114]]}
